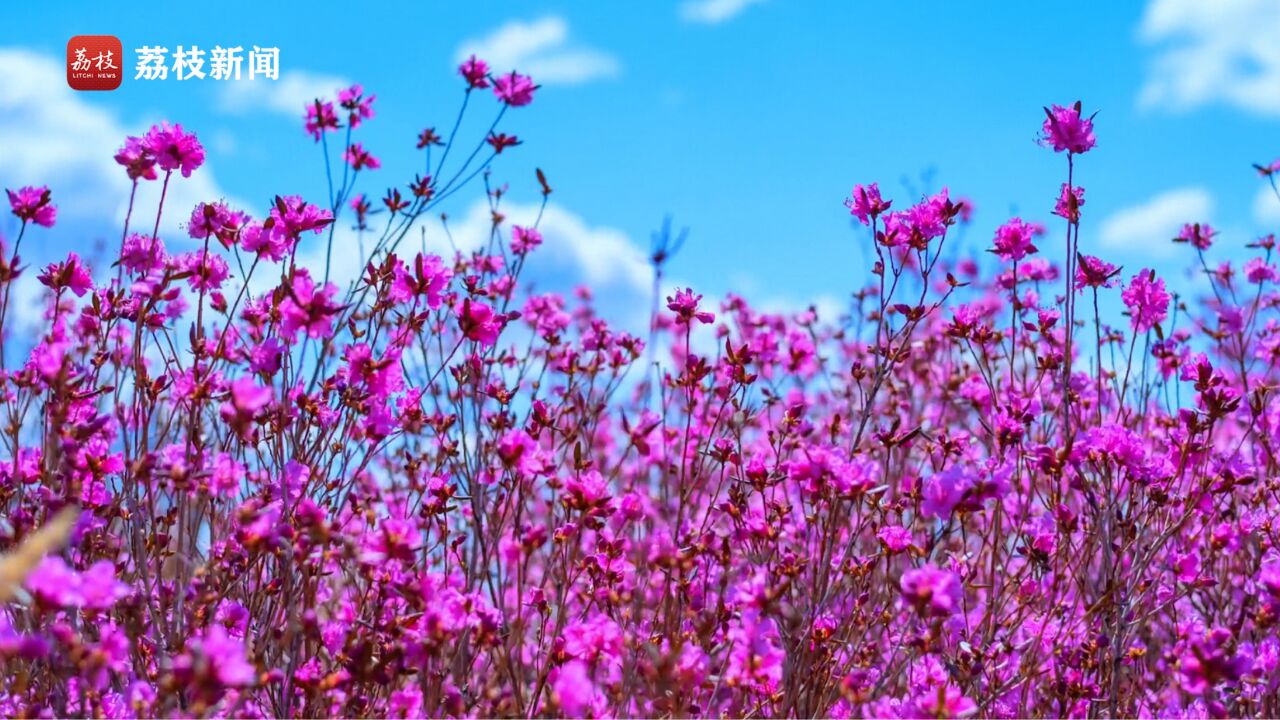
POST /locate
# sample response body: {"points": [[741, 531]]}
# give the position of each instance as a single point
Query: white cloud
{"points": [[1266, 206], [1213, 52], [290, 95], [1151, 226], [543, 49], [52, 136], [573, 253], [713, 12]]}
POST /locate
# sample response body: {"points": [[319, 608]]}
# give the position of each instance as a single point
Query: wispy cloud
{"points": [[1149, 228], [52, 136], [1266, 207], [543, 49], [1213, 52], [574, 252], [713, 12], [289, 95]]}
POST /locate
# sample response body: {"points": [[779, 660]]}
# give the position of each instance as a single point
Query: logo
{"points": [[94, 62]]}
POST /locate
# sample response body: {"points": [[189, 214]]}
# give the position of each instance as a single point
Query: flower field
{"points": [[232, 485]]}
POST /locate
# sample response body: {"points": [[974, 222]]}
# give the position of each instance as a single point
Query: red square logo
{"points": [[94, 62]]}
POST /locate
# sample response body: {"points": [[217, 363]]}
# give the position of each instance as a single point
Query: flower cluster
{"points": [[433, 491]]}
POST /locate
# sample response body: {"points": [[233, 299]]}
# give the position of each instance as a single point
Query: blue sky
{"points": [[748, 121]]}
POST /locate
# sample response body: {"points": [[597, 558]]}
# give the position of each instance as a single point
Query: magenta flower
{"points": [[865, 203], [1070, 200], [320, 118], [1211, 661], [426, 278], [272, 242], [223, 657], [246, 402], [57, 584], [946, 490], [359, 107], [574, 691], [944, 701], [359, 158], [1200, 235], [524, 239], [755, 656], [1095, 273], [514, 89], [479, 323], [31, 204], [931, 591], [895, 538], [685, 306], [206, 271], [476, 72], [1066, 129], [142, 253], [1147, 300], [174, 149], [54, 583], [297, 216], [1013, 240], [308, 308], [1257, 271], [70, 274], [138, 162], [98, 587]]}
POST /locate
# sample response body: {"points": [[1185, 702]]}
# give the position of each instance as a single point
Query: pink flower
{"points": [[307, 308], [756, 656], [427, 278], [1066, 129], [174, 149], [1199, 235], [685, 306], [476, 72], [207, 270], [1094, 272], [931, 591], [246, 402], [1013, 240], [320, 119], [218, 220], [1257, 270], [1147, 300], [226, 476], [99, 589], [298, 216], [31, 204], [70, 274], [946, 701], [137, 161], [946, 490], [1070, 200], [895, 538], [54, 582], [360, 107], [479, 322], [270, 243], [524, 239], [514, 89], [1212, 660], [221, 657], [57, 584], [865, 203], [359, 158], [574, 691]]}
